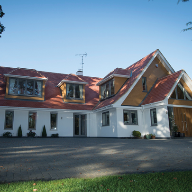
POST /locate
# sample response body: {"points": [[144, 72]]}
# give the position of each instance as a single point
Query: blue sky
{"points": [[47, 34]]}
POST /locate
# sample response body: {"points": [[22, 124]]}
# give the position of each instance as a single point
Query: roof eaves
{"points": [[110, 77], [26, 77]]}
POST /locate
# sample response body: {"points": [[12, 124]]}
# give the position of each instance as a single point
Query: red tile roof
{"points": [[118, 71], [161, 88], [136, 69], [73, 77], [25, 72], [53, 97]]}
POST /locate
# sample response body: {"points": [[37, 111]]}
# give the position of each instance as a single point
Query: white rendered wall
{"points": [[107, 131], [126, 130], [162, 128], [91, 125]]}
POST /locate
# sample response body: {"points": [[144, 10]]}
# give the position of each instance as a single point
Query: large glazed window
{"points": [[180, 93], [74, 91], [53, 121], [25, 87], [32, 120], [153, 117], [9, 119], [130, 117], [105, 118], [107, 89]]}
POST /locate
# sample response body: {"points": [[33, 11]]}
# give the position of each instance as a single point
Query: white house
{"points": [[141, 97]]}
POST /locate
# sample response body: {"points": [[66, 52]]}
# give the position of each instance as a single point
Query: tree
{"points": [[189, 23], [2, 28]]}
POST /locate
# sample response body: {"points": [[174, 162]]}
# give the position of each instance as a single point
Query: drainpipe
{"points": [[143, 119]]}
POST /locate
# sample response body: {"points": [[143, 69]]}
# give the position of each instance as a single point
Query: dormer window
{"points": [[74, 91], [107, 89], [25, 87]]}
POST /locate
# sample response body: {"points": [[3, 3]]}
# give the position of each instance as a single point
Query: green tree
{"points": [[2, 28], [189, 23]]}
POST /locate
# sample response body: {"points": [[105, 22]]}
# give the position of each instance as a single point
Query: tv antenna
{"points": [[82, 55]]}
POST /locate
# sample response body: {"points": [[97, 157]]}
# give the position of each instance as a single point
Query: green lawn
{"points": [[167, 181]]}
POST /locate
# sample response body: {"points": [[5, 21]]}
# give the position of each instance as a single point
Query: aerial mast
{"points": [[82, 55]]}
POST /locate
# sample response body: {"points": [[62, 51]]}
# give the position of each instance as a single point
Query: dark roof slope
{"points": [[136, 69], [161, 88], [53, 98]]}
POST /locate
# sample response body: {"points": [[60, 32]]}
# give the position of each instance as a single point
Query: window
{"points": [[105, 118], [107, 89], [144, 83], [130, 117], [32, 120], [26, 87], [53, 121], [180, 93], [9, 119], [74, 91], [153, 117]]}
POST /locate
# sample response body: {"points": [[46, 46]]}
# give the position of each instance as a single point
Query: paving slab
{"points": [[58, 158]]}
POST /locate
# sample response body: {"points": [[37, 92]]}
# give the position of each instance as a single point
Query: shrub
{"points": [[55, 135], [7, 134], [44, 133], [136, 133], [19, 131], [31, 134]]}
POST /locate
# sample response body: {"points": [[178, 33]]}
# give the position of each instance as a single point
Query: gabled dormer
{"points": [[112, 82], [73, 89], [26, 84]]}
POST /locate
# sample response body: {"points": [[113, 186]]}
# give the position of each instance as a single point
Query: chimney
{"points": [[79, 72]]}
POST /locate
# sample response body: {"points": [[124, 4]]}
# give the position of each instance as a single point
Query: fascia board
{"points": [[165, 62], [128, 107], [110, 77], [103, 108], [175, 84], [185, 106], [120, 100], [74, 82], [26, 77], [187, 80], [155, 104], [44, 109]]}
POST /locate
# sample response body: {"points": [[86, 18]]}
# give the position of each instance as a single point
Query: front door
{"points": [[80, 125]]}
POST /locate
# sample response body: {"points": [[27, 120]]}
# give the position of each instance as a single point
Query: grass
{"points": [[168, 181]]}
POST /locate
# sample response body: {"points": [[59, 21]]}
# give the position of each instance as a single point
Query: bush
{"points": [[19, 131], [7, 134], [136, 134], [44, 133], [55, 135], [31, 134]]}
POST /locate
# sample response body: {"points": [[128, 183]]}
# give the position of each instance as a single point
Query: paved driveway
{"points": [[57, 158]]}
